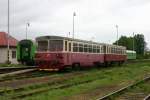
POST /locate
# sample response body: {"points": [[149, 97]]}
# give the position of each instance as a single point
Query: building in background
{"points": [[3, 48]]}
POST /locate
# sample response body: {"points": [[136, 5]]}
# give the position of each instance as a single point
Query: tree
{"points": [[139, 43], [125, 41]]}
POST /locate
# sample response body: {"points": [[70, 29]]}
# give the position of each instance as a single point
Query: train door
{"points": [[69, 52], [105, 52], [26, 52], [68, 49]]}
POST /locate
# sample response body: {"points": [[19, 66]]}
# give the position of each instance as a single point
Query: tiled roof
{"points": [[3, 40]]}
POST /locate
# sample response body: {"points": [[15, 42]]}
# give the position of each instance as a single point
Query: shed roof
{"points": [[3, 40]]}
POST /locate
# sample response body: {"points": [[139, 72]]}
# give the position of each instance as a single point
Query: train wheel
{"points": [[119, 63], [76, 66], [106, 64], [97, 64], [68, 68]]}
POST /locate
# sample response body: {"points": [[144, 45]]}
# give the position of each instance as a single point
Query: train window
{"points": [[107, 49], [66, 45], [75, 47], [75, 44], [94, 49], [85, 45], [120, 51], [80, 47], [56, 45], [115, 50], [112, 50], [42, 45], [85, 48], [69, 46], [90, 48], [98, 49], [102, 49]]}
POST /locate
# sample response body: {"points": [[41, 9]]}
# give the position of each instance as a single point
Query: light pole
{"points": [[68, 34], [117, 34], [133, 41], [27, 25], [74, 14], [8, 45]]}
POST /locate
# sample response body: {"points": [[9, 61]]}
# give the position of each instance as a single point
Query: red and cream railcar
{"points": [[114, 53], [56, 53]]}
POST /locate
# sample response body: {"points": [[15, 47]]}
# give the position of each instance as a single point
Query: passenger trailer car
{"points": [[57, 53]]}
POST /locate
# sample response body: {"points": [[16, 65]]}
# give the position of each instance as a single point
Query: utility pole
{"points": [[133, 42], [8, 45], [74, 14], [117, 34], [27, 25]]}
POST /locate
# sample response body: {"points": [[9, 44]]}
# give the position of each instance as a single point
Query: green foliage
{"points": [[137, 43], [125, 41], [140, 44], [147, 55]]}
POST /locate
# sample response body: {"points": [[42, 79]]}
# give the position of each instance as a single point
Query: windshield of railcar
{"points": [[42, 45], [55, 45]]}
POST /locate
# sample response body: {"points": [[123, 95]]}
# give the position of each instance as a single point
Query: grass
{"points": [[98, 78]]}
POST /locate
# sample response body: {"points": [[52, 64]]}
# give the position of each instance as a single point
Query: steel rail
{"points": [[17, 72], [147, 97], [24, 67], [108, 96]]}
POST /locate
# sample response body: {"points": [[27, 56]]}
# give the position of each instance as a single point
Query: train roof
{"points": [[71, 39]]}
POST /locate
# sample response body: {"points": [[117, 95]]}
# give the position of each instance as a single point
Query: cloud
{"points": [[95, 18]]}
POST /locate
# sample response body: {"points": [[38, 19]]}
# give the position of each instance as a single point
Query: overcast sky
{"points": [[95, 19]]}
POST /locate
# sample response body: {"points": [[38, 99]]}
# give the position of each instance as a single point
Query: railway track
{"points": [[54, 83], [10, 73], [44, 89], [147, 97], [23, 74], [4, 70], [125, 89]]}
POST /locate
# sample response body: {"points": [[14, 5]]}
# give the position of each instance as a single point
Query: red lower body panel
{"points": [[58, 61], [115, 58]]}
